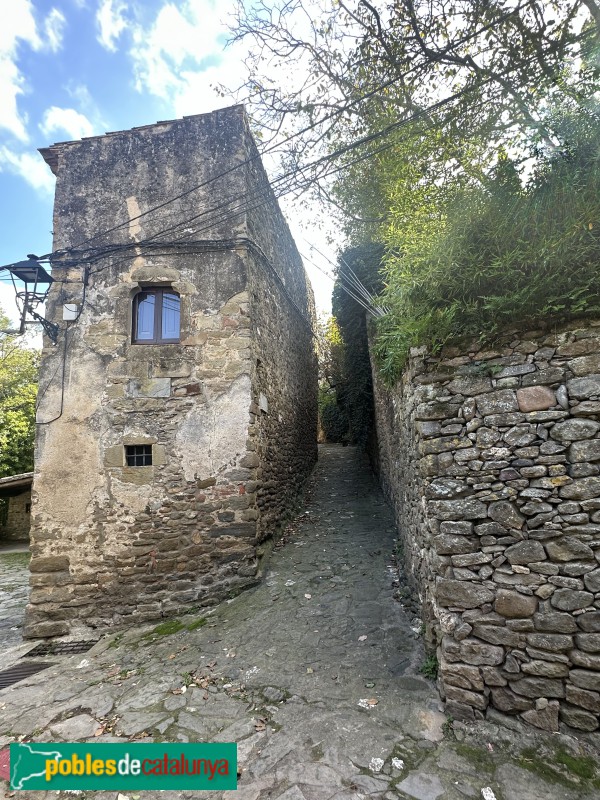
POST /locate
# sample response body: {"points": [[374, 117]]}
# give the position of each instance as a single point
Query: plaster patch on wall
{"points": [[134, 496], [74, 453], [133, 211], [218, 431]]}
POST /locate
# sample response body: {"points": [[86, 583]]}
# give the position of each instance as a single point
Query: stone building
{"points": [[16, 491], [177, 420]]}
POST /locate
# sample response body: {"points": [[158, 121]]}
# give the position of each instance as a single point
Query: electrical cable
{"points": [[62, 389], [284, 180], [290, 137]]}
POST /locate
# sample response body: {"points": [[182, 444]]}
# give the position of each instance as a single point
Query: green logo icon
{"points": [[89, 765]]}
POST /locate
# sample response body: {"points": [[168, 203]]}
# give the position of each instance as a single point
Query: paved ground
{"points": [[14, 590], [315, 674]]}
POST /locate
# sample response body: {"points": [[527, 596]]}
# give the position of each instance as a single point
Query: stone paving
{"points": [[14, 591], [315, 674]]}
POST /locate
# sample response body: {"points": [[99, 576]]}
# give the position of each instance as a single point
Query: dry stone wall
{"points": [[492, 462]]}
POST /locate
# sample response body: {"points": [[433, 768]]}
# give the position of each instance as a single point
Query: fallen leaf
{"points": [[367, 703], [309, 670], [172, 655], [308, 596], [99, 732], [362, 638]]}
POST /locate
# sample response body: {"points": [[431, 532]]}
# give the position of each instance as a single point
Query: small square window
{"points": [[138, 455]]}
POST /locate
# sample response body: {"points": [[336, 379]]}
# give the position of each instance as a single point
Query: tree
{"points": [[18, 389], [330, 348], [354, 71], [460, 135]]}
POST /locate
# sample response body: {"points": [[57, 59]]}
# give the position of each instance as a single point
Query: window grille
{"points": [[138, 455]]}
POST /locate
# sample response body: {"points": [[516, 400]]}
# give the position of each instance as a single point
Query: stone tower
{"points": [[177, 412]]}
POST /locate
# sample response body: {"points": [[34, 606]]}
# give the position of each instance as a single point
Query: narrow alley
{"points": [[315, 674]]}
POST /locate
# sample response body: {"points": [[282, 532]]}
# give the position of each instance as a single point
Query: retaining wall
{"points": [[492, 462]]}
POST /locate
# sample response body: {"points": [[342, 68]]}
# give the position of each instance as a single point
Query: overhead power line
{"points": [[338, 112]]}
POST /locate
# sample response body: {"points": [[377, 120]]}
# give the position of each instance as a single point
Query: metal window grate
{"points": [[21, 671], [61, 648], [138, 455]]}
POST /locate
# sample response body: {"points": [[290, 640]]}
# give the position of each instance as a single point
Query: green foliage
{"points": [[333, 419], [355, 393], [18, 389], [499, 255], [330, 347], [430, 667], [197, 623], [559, 766], [167, 628]]}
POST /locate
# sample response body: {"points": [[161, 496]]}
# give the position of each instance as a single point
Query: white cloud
{"points": [[19, 28], [54, 26], [112, 21], [195, 93], [172, 59], [11, 84], [19, 24], [30, 167], [74, 124]]}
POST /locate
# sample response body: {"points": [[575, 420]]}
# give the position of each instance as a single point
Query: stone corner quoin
{"points": [[492, 462], [223, 412]]}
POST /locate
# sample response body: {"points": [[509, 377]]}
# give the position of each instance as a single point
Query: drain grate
{"points": [[61, 648], [21, 671]]}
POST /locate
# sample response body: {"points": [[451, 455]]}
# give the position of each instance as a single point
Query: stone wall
{"points": [[113, 543], [284, 413], [492, 462], [18, 518]]}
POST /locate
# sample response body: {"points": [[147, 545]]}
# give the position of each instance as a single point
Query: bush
{"points": [[501, 255], [333, 418]]}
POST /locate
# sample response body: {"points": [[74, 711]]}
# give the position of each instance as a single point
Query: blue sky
{"points": [[73, 68]]}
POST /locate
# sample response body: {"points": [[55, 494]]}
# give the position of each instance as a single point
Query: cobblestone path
{"points": [[14, 591], [315, 674]]}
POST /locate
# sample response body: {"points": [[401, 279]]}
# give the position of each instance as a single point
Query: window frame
{"points": [[159, 293], [138, 455]]}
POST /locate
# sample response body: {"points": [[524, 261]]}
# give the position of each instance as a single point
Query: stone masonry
{"points": [[228, 412], [492, 462], [17, 518]]}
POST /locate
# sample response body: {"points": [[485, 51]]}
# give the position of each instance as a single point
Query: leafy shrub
{"points": [[499, 255], [333, 418]]}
